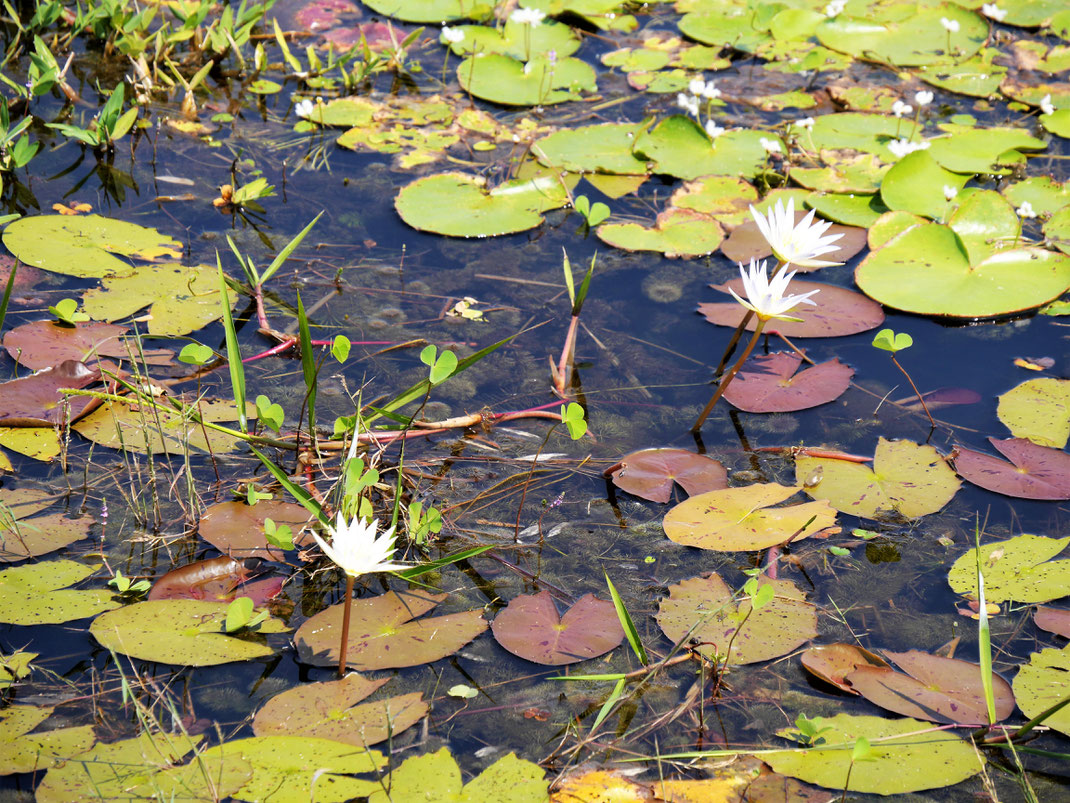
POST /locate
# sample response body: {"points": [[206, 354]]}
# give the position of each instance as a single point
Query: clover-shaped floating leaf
{"points": [[676, 233], [384, 632], [531, 627], [119, 425], [747, 242], [145, 768], [833, 662], [1054, 620], [1019, 569], [938, 689], [888, 340], [330, 710], [37, 594], [910, 479], [22, 751], [650, 473], [905, 755], [37, 401], [460, 205], [925, 270], [539, 82], [43, 344], [604, 148], [1034, 472], [85, 245], [186, 632], [769, 384], [237, 529], [728, 630], [906, 40], [436, 776], [1038, 409], [837, 313], [679, 147], [1042, 683], [744, 519]]}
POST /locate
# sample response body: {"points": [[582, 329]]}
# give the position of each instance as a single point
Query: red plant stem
{"points": [[261, 313], [736, 335], [291, 342], [344, 646], [729, 376], [568, 353], [916, 391]]}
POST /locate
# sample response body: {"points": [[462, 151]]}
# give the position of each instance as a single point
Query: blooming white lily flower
{"points": [[303, 109], [452, 36], [792, 244], [804, 122], [951, 26], [527, 16], [901, 147], [697, 86], [835, 8], [923, 98], [688, 103], [771, 145], [1026, 210], [356, 550], [950, 192], [765, 297], [993, 11], [899, 108], [713, 129], [1046, 105]]}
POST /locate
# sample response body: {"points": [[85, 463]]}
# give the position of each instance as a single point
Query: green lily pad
{"points": [[430, 10], [906, 755], [145, 768], [15, 668], [868, 133], [850, 209], [1042, 683], [1031, 13], [37, 594], [180, 300], [679, 147], [982, 150], [703, 609], [676, 233], [144, 429], [910, 40], [518, 40], [1020, 569], [726, 198], [744, 518], [976, 76], [539, 82], [384, 632], [1057, 229], [459, 205], [1038, 409], [85, 245], [31, 537], [348, 111], [910, 479], [40, 443], [186, 632], [330, 710], [1057, 123], [985, 223], [23, 751], [1043, 193], [643, 59], [925, 270], [856, 173], [732, 26], [530, 626], [916, 184], [436, 776], [605, 148]]}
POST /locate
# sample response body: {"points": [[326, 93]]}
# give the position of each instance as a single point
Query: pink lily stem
{"points": [[736, 335], [345, 626], [717, 394], [261, 313], [916, 391], [568, 356], [291, 342]]}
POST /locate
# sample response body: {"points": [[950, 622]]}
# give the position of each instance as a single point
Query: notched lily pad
{"points": [[650, 473], [37, 594], [769, 384], [43, 344], [436, 776], [23, 749], [1034, 472], [531, 627], [237, 529], [1038, 409], [676, 233], [1042, 683], [833, 662], [36, 400], [1019, 569], [142, 428]]}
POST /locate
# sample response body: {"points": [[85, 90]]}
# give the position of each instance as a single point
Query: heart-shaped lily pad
{"points": [[1034, 472], [724, 197], [37, 594], [144, 429], [1041, 683], [679, 147], [435, 11], [676, 233], [43, 344], [650, 473], [1038, 409], [237, 529], [185, 632], [916, 184], [992, 149], [23, 751], [31, 537], [744, 519], [838, 312], [36, 400], [834, 662], [906, 40], [436, 776], [910, 479], [517, 40], [219, 579], [531, 627], [539, 82], [1019, 569], [384, 632], [769, 384], [604, 148], [330, 710], [727, 630], [460, 205]]}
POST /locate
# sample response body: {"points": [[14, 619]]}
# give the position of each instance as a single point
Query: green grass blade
{"points": [[284, 254], [7, 293], [296, 491], [237, 370], [626, 622], [581, 296], [984, 634], [614, 695], [308, 365], [424, 568]]}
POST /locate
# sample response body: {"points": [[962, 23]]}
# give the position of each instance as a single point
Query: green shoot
{"points": [[237, 370], [592, 214], [889, 341], [309, 368], [66, 312], [127, 587], [7, 293], [270, 414], [572, 416], [340, 348], [984, 634], [240, 616], [196, 354], [442, 367], [279, 535], [626, 622]]}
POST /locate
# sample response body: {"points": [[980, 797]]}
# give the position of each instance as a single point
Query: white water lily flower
{"points": [[356, 550], [993, 11], [1026, 210], [805, 122], [713, 129], [710, 91], [951, 26], [766, 298], [452, 36], [688, 103], [923, 98], [901, 147], [697, 86], [835, 8], [771, 145], [899, 108], [1046, 105], [950, 192], [527, 16], [793, 244], [303, 109]]}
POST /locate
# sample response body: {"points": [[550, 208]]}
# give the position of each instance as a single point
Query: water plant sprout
{"points": [[889, 341]]}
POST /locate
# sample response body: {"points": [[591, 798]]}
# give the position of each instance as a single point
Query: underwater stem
{"points": [[729, 377], [916, 391]]}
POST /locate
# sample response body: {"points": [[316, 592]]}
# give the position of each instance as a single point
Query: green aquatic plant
{"points": [[887, 340], [562, 371], [107, 127]]}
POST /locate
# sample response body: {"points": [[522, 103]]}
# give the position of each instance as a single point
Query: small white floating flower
{"points": [[993, 11], [713, 129], [796, 244], [805, 122], [1026, 210], [356, 550], [766, 298], [697, 85], [835, 8], [1046, 105], [901, 147], [688, 103], [771, 145], [527, 16], [303, 109], [950, 192], [452, 36], [899, 108], [951, 26], [923, 98]]}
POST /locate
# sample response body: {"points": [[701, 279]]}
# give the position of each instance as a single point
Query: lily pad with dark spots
{"points": [[42, 344], [31, 537], [1034, 472], [650, 473], [37, 400], [769, 384], [237, 529], [531, 627], [833, 662]]}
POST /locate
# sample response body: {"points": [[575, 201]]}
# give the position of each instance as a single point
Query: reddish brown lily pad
{"points": [[833, 662], [377, 36], [237, 529], [1054, 620], [939, 399], [531, 628], [330, 710], [215, 579], [769, 384], [838, 312], [1034, 472], [384, 632], [937, 689], [747, 242], [42, 344], [650, 473], [36, 401], [319, 15]]}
